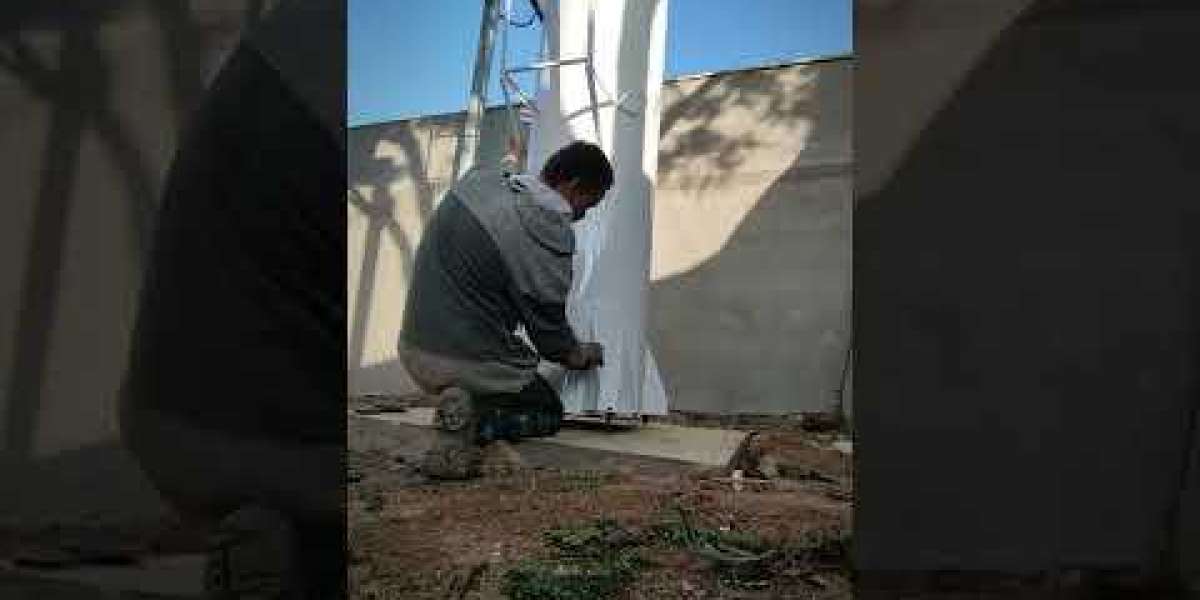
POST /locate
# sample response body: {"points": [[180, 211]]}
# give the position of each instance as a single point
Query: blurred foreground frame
{"points": [[96, 96], [1026, 298]]}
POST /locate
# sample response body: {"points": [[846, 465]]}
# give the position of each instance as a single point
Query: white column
{"points": [[612, 263]]}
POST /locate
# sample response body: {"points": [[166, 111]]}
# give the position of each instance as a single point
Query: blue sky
{"points": [[412, 57]]}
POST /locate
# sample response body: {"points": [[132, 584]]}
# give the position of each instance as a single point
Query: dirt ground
{"points": [[411, 538]]}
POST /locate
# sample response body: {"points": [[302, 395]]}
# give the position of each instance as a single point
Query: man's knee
{"points": [[554, 374], [426, 380]]}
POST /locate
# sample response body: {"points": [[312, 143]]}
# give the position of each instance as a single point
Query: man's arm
{"points": [[546, 323], [543, 311], [542, 280]]}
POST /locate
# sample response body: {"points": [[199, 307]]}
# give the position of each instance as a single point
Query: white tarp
{"points": [[608, 298]]}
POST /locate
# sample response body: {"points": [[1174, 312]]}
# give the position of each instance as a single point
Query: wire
{"points": [[520, 25], [514, 127], [536, 16]]}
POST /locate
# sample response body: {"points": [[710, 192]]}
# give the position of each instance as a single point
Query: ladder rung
{"points": [[537, 66]]}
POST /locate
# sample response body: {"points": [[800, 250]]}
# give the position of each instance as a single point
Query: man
{"points": [[496, 255], [234, 401]]}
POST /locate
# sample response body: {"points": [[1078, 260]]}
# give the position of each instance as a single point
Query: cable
{"points": [[536, 16], [514, 128], [520, 25]]}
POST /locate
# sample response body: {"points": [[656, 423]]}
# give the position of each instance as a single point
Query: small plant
{"points": [[572, 579], [593, 561], [741, 559], [829, 548], [588, 540], [679, 531], [584, 481]]}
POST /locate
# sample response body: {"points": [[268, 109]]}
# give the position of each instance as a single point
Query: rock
{"points": [[451, 458], [783, 455], [500, 459], [768, 466]]}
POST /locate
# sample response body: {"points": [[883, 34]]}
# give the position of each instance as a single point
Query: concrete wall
{"points": [[1026, 291], [749, 298], [92, 97]]}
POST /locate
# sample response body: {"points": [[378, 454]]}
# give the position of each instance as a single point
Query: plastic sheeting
{"points": [[617, 107]]}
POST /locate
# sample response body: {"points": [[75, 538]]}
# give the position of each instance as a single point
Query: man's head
{"points": [[581, 174]]}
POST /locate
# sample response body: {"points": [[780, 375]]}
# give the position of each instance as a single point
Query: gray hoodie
{"points": [[495, 256]]}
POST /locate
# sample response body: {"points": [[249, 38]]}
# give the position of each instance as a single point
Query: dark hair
{"points": [[579, 160]]}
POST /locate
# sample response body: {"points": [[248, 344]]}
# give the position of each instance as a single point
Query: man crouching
{"points": [[497, 256]]}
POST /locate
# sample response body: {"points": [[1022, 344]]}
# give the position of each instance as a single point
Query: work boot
{"points": [[456, 451], [550, 417], [253, 556], [513, 417], [509, 417]]}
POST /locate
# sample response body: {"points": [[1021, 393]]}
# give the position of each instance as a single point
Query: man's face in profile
{"points": [[580, 198]]}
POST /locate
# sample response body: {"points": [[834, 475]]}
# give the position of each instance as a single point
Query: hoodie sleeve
{"points": [[544, 280]]}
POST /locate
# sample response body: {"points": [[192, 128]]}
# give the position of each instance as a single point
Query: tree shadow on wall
{"points": [[98, 483], [764, 324], [368, 170], [692, 125], [1027, 295], [77, 86]]}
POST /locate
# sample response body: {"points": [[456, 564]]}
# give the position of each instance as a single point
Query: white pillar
{"points": [[612, 263]]}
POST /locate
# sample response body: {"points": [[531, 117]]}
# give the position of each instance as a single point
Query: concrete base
{"points": [[703, 446], [174, 577]]}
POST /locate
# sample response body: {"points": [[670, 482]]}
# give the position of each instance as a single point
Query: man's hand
{"points": [[584, 357]]}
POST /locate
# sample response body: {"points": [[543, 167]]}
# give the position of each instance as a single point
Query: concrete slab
{"points": [[166, 577], [703, 446], [711, 447], [404, 444], [419, 416]]}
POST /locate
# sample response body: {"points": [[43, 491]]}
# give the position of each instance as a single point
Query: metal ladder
{"points": [[509, 85]]}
